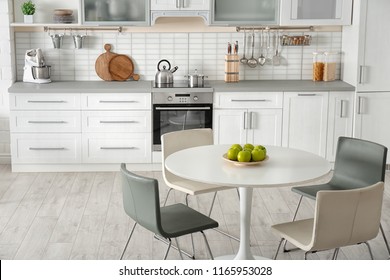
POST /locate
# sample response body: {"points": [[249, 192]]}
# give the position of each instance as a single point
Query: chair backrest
{"points": [[178, 140], [347, 217], [141, 200], [358, 163]]}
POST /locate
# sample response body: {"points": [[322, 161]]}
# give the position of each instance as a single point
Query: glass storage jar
{"points": [[330, 66], [318, 66]]}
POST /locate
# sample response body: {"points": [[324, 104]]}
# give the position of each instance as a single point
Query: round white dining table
{"points": [[283, 167]]}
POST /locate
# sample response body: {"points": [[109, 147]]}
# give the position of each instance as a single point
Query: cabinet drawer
{"points": [[248, 99], [129, 101], [48, 101], [46, 148], [47, 121], [117, 121], [117, 148]]}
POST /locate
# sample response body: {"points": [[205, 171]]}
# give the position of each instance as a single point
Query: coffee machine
{"points": [[35, 68]]}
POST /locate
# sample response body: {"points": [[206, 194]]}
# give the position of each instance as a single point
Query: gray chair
{"points": [[142, 203], [359, 163], [342, 218]]}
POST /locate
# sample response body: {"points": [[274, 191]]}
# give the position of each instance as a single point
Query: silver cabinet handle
{"points": [[342, 104], [250, 100], [46, 101], [307, 94], [47, 149], [118, 148], [178, 3], [361, 74], [182, 108], [250, 120], [183, 3], [117, 101], [245, 116], [117, 121], [46, 122], [360, 109]]}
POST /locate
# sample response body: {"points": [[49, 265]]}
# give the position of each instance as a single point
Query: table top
{"points": [[284, 167]]}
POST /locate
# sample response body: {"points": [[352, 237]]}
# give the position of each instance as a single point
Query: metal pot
{"points": [[195, 80], [41, 72], [164, 76]]}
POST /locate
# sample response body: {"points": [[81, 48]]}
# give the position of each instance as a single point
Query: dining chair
{"points": [[141, 202], [342, 218], [178, 140], [358, 163]]}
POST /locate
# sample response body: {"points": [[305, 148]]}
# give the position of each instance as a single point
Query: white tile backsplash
{"points": [[189, 51]]}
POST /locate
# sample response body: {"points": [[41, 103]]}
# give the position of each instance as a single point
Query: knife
{"points": [[229, 50], [236, 48]]}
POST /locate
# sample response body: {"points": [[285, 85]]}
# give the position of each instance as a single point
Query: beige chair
{"points": [[183, 139], [341, 218]]}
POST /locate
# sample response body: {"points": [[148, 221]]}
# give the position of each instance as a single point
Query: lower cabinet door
{"points": [[46, 148], [117, 148]]}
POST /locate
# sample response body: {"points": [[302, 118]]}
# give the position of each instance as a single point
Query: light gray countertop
{"points": [[146, 86]]}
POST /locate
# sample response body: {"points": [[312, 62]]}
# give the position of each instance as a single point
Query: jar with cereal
{"points": [[330, 66], [318, 66]]}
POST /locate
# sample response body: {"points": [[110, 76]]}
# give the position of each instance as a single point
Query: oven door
{"points": [[174, 117]]}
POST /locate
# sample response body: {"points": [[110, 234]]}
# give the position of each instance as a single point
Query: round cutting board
{"points": [[121, 67], [102, 64]]}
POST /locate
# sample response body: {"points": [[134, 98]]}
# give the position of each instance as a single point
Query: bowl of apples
{"points": [[245, 155]]}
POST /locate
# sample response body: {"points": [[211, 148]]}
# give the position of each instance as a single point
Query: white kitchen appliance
{"points": [[35, 68]]}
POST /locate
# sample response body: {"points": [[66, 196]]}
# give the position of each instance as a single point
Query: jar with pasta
{"points": [[318, 66], [330, 66]]}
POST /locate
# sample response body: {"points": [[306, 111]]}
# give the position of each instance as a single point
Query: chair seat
{"points": [[191, 187], [298, 233], [178, 220], [312, 190]]}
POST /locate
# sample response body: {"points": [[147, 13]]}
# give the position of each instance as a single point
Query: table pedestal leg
{"points": [[244, 252]]}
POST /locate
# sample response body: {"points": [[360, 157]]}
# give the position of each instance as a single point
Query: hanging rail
{"points": [[119, 28], [280, 28]]}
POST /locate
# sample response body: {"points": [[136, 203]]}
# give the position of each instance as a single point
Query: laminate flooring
{"points": [[80, 216]]}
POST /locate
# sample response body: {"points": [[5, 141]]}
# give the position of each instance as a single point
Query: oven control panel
{"points": [[179, 98]]}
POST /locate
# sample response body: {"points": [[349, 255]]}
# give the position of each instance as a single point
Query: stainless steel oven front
{"points": [[173, 111]]}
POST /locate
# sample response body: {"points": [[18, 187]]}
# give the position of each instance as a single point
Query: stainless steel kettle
{"points": [[164, 77]]}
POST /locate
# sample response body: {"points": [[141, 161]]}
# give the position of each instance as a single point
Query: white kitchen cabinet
{"points": [[340, 120], [316, 12], [244, 12], [165, 5], [305, 121], [251, 118], [372, 118]]}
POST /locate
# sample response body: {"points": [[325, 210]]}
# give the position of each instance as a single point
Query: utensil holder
{"points": [[78, 41], [57, 40], [232, 68]]}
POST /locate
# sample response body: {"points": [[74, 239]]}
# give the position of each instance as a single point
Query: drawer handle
{"points": [[47, 149], [250, 100], [307, 94], [182, 108], [46, 101], [117, 101], [118, 148], [46, 122], [117, 121]]}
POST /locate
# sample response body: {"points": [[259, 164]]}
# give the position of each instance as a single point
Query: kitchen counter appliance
{"points": [[179, 107], [164, 76], [35, 68]]}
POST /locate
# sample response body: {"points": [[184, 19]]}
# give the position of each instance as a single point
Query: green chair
{"points": [[142, 203], [359, 163], [342, 218]]}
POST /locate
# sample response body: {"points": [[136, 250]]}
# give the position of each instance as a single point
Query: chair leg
{"points": [[169, 247], [369, 250], [192, 238], [295, 216], [178, 247], [306, 255], [166, 198], [207, 245], [277, 250], [128, 240], [384, 238], [162, 239], [335, 253], [212, 204]]}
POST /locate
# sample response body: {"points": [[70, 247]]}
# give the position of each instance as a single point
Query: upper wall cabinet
{"points": [[115, 12], [244, 12], [316, 12], [179, 8]]}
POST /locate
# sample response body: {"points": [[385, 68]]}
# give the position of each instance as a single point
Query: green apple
{"points": [[258, 155], [261, 147], [232, 154], [244, 156], [237, 146], [249, 146]]}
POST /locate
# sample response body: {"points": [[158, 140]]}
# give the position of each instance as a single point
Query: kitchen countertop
{"points": [[146, 86]]}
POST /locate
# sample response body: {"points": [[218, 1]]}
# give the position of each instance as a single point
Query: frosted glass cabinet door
{"points": [[115, 12], [316, 12], [244, 12]]}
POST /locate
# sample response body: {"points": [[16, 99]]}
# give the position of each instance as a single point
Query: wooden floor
{"points": [[80, 216]]}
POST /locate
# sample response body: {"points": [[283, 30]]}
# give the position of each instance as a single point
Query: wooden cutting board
{"points": [[102, 64], [122, 68]]}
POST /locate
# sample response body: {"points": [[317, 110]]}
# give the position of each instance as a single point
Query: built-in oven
{"points": [[181, 109]]}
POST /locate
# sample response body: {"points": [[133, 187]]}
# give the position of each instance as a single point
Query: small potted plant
{"points": [[28, 9]]}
